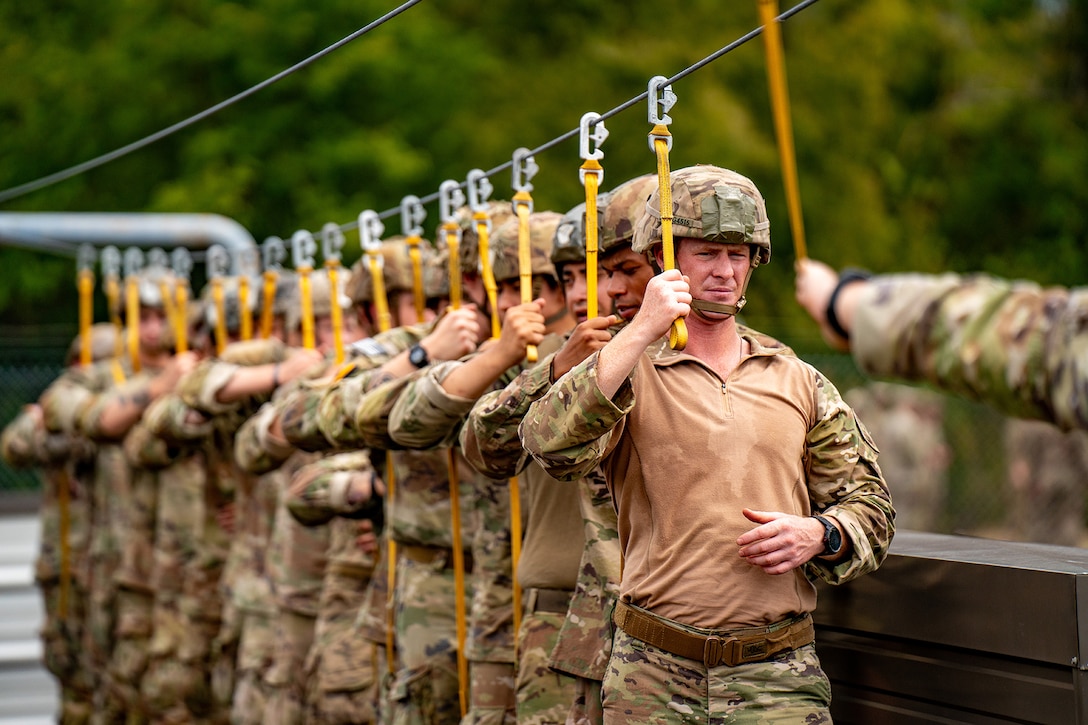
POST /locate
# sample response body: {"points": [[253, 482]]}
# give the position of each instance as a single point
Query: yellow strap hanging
{"points": [[678, 335], [117, 371], [523, 202], [85, 285], [220, 316], [245, 320], [375, 262], [391, 574], [332, 266], [132, 314], [458, 580], [483, 235], [591, 183], [271, 277], [306, 293], [453, 244], [515, 554], [181, 318], [419, 296], [780, 105]]}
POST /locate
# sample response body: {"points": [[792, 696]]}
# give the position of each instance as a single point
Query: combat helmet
{"points": [[570, 236], [504, 246], [322, 297], [499, 212], [397, 273], [626, 206], [715, 204], [104, 341], [231, 304]]}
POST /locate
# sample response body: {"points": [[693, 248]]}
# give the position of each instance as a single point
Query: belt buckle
{"points": [[713, 651]]}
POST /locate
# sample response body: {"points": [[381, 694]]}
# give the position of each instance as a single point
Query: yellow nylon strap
{"points": [[306, 292], [168, 303], [458, 580], [678, 335], [492, 289], [381, 303], [453, 244], [391, 575], [522, 203], [65, 544], [132, 314], [245, 321], [593, 169], [85, 285], [220, 316], [335, 311], [515, 554], [113, 293], [780, 105], [268, 302], [117, 371], [419, 295], [181, 317]]}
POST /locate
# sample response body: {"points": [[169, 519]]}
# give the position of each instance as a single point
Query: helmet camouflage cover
{"points": [[504, 246], [397, 271], [709, 203], [626, 206], [499, 212], [569, 244]]}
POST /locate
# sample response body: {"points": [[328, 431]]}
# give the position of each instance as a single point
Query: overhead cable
{"points": [[17, 191]]}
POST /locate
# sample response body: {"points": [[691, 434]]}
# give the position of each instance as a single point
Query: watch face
{"points": [[834, 539], [417, 356]]}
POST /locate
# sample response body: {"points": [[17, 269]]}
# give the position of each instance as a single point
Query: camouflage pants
{"points": [[586, 709], [342, 678], [491, 694], [256, 647], [644, 684], [425, 687], [543, 695], [284, 681]]}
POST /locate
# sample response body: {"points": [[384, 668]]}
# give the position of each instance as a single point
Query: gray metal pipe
{"points": [[64, 232]]}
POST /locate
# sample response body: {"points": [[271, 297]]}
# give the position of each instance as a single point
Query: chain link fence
{"points": [[953, 466]]}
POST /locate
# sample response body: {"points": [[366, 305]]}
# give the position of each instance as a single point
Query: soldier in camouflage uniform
{"points": [[1016, 346], [62, 460], [685, 439], [430, 412]]}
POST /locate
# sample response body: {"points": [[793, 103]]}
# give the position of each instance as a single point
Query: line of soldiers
{"points": [[252, 531]]}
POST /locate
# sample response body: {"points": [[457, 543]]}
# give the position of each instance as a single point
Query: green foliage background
{"points": [[931, 135]]}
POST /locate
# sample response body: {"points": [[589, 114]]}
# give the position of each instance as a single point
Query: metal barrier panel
{"points": [[955, 629]]}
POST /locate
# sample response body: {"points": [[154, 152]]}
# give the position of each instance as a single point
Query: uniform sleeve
{"points": [[255, 449], [199, 388], [569, 430], [19, 441], [1018, 347], [845, 482], [425, 415], [144, 449], [489, 438], [169, 418], [319, 491], [67, 396]]}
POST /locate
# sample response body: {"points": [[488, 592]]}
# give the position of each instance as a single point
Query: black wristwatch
{"points": [[832, 537], [418, 356]]}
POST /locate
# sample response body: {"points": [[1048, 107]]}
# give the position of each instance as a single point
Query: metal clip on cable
{"points": [[218, 263], [591, 174], [273, 252], [450, 199], [85, 259], [370, 236], [524, 168], [479, 191], [412, 215], [303, 248], [182, 264], [332, 241], [661, 99]]}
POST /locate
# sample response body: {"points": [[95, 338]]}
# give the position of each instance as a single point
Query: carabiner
{"points": [[450, 199], [661, 99], [85, 257], [303, 248], [412, 215], [134, 261], [479, 190], [111, 262], [273, 252], [157, 258], [597, 136], [181, 262], [332, 241], [370, 232], [524, 169], [217, 261]]}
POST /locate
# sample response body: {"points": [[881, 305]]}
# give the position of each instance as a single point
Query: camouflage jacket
{"points": [[1014, 345]]}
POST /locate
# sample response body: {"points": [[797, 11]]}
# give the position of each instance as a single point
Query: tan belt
{"points": [[731, 648], [431, 554], [556, 601]]}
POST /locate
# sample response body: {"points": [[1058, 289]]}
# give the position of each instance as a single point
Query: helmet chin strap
{"points": [[708, 306]]}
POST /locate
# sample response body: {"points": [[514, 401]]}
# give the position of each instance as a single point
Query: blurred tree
{"points": [[936, 135]]}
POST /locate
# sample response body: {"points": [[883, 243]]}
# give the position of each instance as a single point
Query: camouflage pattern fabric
{"points": [[1018, 347], [543, 695], [644, 684]]}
